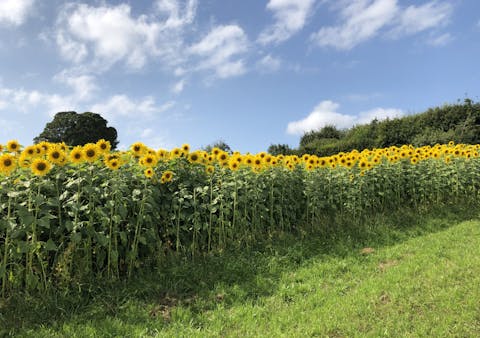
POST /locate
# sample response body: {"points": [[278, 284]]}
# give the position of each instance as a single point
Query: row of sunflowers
{"points": [[75, 214], [41, 157]]}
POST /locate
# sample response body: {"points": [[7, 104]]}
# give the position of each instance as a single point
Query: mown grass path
{"points": [[426, 285]]}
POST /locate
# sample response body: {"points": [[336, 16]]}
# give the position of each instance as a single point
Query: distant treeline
{"points": [[453, 122]]}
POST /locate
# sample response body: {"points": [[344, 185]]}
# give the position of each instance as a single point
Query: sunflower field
{"points": [[75, 214]]}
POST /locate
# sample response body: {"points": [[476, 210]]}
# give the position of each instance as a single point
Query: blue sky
{"points": [[249, 72]]}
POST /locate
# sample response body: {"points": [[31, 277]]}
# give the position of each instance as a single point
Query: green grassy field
{"points": [[419, 279]]}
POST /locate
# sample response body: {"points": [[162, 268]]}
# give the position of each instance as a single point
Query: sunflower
{"points": [[216, 151], [104, 146], [13, 146], [233, 165], [194, 157], [43, 147], [91, 152], [248, 160], [76, 155], [149, 161], [185, 148], [167, 176], [363, 163], [112, 164], [40, 167], [24, 160], [176, 152], [56, 156], [209, 169], [222, 156], [149, 172], [30, 151], [138, 149], [162, 154], [7, 164]]}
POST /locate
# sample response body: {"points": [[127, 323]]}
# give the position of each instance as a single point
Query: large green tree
{"points": [[77, 129]]}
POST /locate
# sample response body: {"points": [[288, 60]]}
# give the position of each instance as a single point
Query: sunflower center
{"points": [[55, 154], [90, 153], [41, 166], [77, 156], [7, 162]]}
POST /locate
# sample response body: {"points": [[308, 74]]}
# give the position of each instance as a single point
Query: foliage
{"points": [[280, 149], [220, 144], [77, 129], [70, 216], [457, 122]]}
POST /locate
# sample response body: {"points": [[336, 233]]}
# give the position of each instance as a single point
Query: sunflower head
{"points": [[13, 146], [195, 157], [76, 155], [56, 156], [112, 163], [233, 165], [149, 160], [30, 151], [7, 164], [138, 148], [104, 146], [40, 167], [149, 172], [210, 169], [167, 176], [186, 148], [91, 152]]}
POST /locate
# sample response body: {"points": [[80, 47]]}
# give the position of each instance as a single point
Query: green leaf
{"points": [[50, 245]]}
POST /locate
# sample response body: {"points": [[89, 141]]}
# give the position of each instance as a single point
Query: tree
{"points": [[220, 144], [280, 149], [77, 129]]}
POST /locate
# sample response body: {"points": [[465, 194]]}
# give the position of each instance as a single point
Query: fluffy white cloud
{"points": [[176, 14], [221, 50], [290, 17], [362, 20], [123, 106], [14, 12], [84, 86], [110, 34], [415, 19], [325, 113], [269, 64]]}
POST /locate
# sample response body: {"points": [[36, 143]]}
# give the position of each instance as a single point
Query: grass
{"points": [[422, 278]]}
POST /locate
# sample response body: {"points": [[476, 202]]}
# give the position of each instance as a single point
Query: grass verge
{"points": [[421, 277]]}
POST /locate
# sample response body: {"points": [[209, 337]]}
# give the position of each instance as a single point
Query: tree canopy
{"points": [[77, 129]]}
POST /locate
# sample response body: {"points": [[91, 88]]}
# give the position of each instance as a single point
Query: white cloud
{"points": [[415, 19], [176, 16], [441, 40], [15, 12], [362, 20], [179, 86], [84, 86], [110, 34], [221, 49], [290, 17], [122, 105], [379, 114], [325, 113], [269, 64]]}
